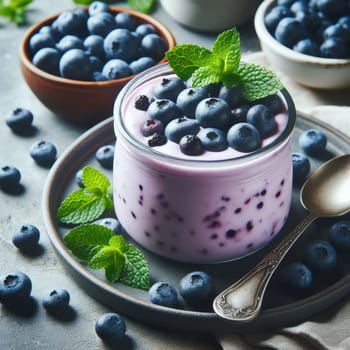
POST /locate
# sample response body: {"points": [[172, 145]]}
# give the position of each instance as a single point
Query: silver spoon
{"points": [[325, 193]]}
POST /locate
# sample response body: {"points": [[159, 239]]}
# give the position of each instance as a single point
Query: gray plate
{"points": [[280, 308]]}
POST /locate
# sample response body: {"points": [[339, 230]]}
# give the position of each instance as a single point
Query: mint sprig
{"points": [[88, 203], [101, 248], [14, 10], [223, 65]]}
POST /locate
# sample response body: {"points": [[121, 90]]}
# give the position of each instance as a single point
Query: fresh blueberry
{"points": [[98, 76], [309, 20], [297, 276], [102, 23], [9, 178], [111, 328], [299, 6], [313, 142], [116, 69], [105, 155], [179, 127], [71, 22], [111, 223], [335, 31], [122, 44], [56, 301], [232, 96], [164, 110], [320, 256], [43, 152], [69, 42], [154, 45], [157, 140], [141, 64], [213, 139], [15, 286], [191, 145], [301, 167], [197, 288], [47, 59], [211, 90], [39, 41], [188, 99], [213, 113], [51, 31], [152, 126], [96, 64], [142, 102], [125, 20], [75, 64], [163, 293], [273, 102], [168, 88], [332, 7], [307, 47], [334, 48], [289, 31], [339, 235], [273, 17], [239, 114], [262, 118], [19, 120], [97, 7], [27, 238], [244, 137], [94, 46], [144, 29]]}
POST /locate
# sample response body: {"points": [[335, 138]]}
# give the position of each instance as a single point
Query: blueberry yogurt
{"points": [[195, 198]]}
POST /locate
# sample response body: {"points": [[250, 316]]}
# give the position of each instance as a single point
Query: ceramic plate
{"points": [[280, 308]]}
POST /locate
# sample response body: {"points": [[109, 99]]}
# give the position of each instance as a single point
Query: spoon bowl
{"points": [[324, 194]]}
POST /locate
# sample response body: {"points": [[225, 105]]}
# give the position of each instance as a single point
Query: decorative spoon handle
{"points": [[243, 299]]}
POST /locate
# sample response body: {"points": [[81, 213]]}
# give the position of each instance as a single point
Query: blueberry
{"points": [[262, 118], [116, 69], [15, 286], [142, 102], [141, 64], [93, 45], [39, 41], [98, 76], [56, 301], [125, 20], [27, 238], [75, 64], [43, 152], [334, 48], [19, 120], [96, 64], [69, 42], [289, 31], [97, 7], [71, 22], [239, 114], [51, 31], [121, 44], [111, 328], [157, 140], [332, 7], [79, 178], [47, 59], [191, 145], [213, 139], [179, 127], [320, 256], [299, 6], [339, 235], [9, 178], [297, 276], [144, 29], [244, 137], [313, 142], [102, 23], [232, 96], [163, 293], [275, 15], [301, 167], [188, 99], [213, 113], [273, 102], [307, 47], [111, 223], [335, 31], [168, 88], [152, 126], [164, 110], [197, 288], [154, 45], [105, 155]]}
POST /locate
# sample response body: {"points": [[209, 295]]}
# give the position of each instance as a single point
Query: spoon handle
{"points": [[243, 299]]}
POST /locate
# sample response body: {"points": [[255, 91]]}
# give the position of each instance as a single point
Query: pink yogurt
{"points": [[211, 208]]}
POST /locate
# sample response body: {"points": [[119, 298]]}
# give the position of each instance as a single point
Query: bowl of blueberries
{"points": [[307, 40], [77, 61]]}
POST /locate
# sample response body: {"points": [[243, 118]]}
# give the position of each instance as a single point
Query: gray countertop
{"points": [[39, 330]]}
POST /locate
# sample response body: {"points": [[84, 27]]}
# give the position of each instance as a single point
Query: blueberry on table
{"points": [[15, 286], [339, 236], [105, 156], [111, 328], [27, 238], [112, 224], [56, 301], [320, 256], [213, 139], [163, 293], [301, 167], [19, 120], [179, 127], [197, 288], [262, 118], [297, 276], [244, 137], [44, 153], [313, 142], [169, 88], [191, 145], [9, 178]]}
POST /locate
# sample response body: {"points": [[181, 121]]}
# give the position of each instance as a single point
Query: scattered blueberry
{"points": [[179, 127], [10, 178], [105, 156], [163, 293], [301, 167], [191, 145], [262, 118], [152, 126], [197, 288], [213, 139], [320, 256], [56, 301], [313, 142], [15, 286], [244, 137], [19, 120], [111, 328], [297, 276], [27, 238], [111, 223], [339, 235], [44, 153]]}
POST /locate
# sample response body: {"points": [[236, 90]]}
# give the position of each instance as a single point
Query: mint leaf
{"points": [[144, 6], [91, 178], [206, 75], [15, 10]]}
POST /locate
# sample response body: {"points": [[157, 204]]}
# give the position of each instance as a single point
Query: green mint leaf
{"points": [[187, 58], [144, 6], [85, 241], [15, 10], [92, 178], [206, 75], [258, 82]]}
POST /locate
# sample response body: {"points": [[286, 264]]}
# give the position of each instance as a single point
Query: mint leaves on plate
{"points": [[223, 65], [95, 244]]}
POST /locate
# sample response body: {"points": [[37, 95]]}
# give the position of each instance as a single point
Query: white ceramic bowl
{"points": [[210, 15], [315, 72]]}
